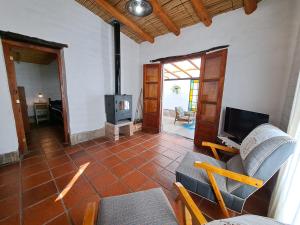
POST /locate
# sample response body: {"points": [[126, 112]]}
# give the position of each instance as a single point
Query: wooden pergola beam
{"points": [[177, 67], [250, 6], [123, 19], [202, 12], [173, 74], [194, 65], [165, 19]]}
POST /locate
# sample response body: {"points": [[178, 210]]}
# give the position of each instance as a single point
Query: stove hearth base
{"points": [[113, 131]]}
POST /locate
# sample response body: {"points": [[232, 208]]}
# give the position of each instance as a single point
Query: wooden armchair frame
{"points": [[190, 212], [210, 170], [214, 147]]}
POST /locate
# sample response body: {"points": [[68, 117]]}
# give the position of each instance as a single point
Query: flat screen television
{"points": [[239, 123]]}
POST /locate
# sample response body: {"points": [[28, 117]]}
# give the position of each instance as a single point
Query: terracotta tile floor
{"points": [[53, 183]]}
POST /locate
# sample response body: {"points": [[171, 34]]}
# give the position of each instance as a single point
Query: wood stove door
{"points": [[152, 85]]}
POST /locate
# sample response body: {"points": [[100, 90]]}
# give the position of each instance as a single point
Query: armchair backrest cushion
{"points": [[258, 156], [260, 134], [262, 163], [266, 170]]}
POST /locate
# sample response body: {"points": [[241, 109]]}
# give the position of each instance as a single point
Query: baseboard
{"points": [[89, 135], [9, 157], [86, 136]]}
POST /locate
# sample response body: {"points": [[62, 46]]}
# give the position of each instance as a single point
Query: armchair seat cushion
{"points": [[149, 207], [195, 180], [246, 220]]}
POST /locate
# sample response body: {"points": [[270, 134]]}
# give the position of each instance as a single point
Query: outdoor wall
{"points": [[88, 60], [37, 79], [171, 99], [258, 55]]}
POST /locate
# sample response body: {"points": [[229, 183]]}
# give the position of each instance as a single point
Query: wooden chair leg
{"points": [[217, 193], [187, 217]]}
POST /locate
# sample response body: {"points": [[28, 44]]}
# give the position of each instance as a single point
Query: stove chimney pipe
{"points": [[116, 26]]}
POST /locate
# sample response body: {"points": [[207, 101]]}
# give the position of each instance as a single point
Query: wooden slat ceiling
{"points": [[181, 12], [32, 56], [186, 69]]}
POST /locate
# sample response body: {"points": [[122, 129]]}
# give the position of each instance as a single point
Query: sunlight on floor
{"points": [[180, 128], [72, 182]]}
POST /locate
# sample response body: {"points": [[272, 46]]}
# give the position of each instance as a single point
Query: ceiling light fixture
{"points": [[139, 8]]}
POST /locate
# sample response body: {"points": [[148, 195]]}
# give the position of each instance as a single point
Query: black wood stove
{"points": [[118, 107]]}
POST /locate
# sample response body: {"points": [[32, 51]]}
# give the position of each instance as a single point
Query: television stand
{"points": [[228, 142], [234, 139]]}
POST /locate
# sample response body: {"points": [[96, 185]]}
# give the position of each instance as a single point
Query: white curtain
{"points": [[285, 201]]}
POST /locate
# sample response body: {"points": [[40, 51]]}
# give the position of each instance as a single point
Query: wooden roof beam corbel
{"points": [[202, 12], [164, 18], [250, 6], [124, 20]]}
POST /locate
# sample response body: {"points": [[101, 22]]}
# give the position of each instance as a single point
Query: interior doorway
{"points": [[180, 96], [37, 87]]}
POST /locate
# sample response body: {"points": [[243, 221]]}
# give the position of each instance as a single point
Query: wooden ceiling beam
{"points": [[250, 6], [165, 19], [173, 74], [124, 20], [194, 65], [177, 67], [202, 12]]}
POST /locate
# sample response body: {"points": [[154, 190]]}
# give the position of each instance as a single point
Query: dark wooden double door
{"points": [[213, 66]]}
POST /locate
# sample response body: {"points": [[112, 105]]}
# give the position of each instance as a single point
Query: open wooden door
{"points": [[152, 98], [213, 66]]}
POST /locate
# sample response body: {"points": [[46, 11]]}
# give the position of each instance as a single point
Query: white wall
{"points": [[37, 79], [50, 81], [88, 60], [171, 99], [8, 134], [294, 66], [256, 74]]}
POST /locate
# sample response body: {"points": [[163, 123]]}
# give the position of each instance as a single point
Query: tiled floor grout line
{"points": [[138, 168], [166, 141], [58, 192], [83, 174]]}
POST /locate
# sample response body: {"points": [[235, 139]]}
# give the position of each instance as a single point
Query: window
{"points": [[193, 99]]}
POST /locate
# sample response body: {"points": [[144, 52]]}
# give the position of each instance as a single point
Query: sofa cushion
{"points": [[149, 207]]}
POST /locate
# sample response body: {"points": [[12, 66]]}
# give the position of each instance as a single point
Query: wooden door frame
{"points": [[12, 83]]}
